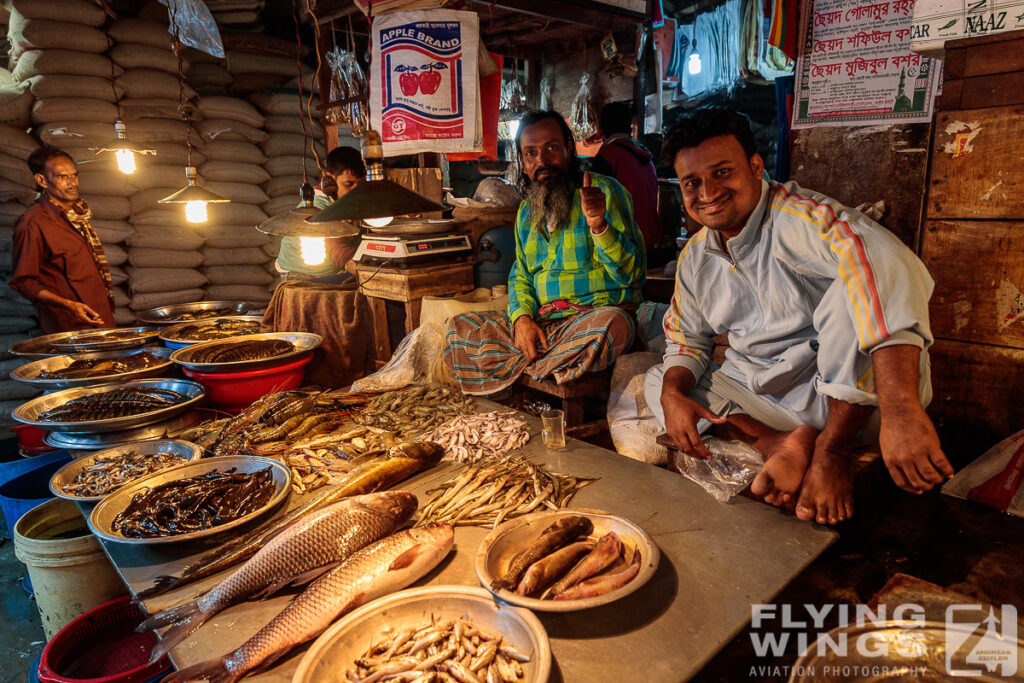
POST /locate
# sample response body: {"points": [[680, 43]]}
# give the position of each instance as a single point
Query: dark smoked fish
{"points": [[110, 404], [555, 536], [234, 351]]}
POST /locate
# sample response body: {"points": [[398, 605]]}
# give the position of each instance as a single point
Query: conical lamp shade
{"points": [[376, 199], [193, 193], [293, 223]]}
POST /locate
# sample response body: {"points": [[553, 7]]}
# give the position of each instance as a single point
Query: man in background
{"points": [[623, 158], [59, 263]]}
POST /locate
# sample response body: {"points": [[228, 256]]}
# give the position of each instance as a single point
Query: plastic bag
{"points": [[498, 192], [732, 467], [193, 24], [994, 478], [337, 114], [583, 119], [545, 93], [631, 422], [419, 359], [357, 111]]}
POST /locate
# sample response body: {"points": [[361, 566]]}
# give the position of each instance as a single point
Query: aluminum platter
{"points": [[183, 450], [29, 373], [172, 333], [29, 412], [500, 546], [110, 339], [169, 315], [335, 651], [102, 518], [37, 348], [158, 430], [417, 226], [305, 342]]}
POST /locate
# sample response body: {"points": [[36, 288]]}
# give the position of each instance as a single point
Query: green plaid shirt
{"points": [[574, 265]]}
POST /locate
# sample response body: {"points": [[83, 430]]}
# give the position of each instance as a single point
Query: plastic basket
{"points": [[101, 646]]}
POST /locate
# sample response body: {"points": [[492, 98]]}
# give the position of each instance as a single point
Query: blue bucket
{"points": [[25, 484]]}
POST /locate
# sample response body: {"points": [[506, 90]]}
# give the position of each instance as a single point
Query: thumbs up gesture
{"points": [[593, 200]]}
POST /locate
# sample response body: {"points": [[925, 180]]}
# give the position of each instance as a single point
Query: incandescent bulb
{"points": [[195, 212], [125, 160], [693, 64], [313, 250], [379, 222]]}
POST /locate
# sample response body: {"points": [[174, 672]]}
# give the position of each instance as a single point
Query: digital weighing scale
{"points": [[403, 249]]}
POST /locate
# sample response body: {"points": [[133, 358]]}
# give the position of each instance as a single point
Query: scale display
{"points": [[376, 249]]}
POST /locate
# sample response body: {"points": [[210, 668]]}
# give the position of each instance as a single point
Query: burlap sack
{"points": [[206, 75], [106, 180], [17, 142], [254, 293], [45, 86], [282, 123], [116, 256], [16, 169], [148, 300], [230, 150], [75, 11], [174, 239], [234, 172], [248, 63], [226, 129], [142, 82], [284, 103], [289, 185], [234, 236], [139, 56], [291, 165], [74, 109], [237, 275], [146, 280], [245, 193], [140, 31], [232, 109], [236, 214], [26, 35], [63, 62], [227, 257], [112, 232], [16, 105]]}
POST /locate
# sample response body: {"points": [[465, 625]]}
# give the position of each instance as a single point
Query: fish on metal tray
{"points": [[111, 404], [106, 474], [218, 329], [380, 568], [84, 367], [233, 352], [558, 533]]}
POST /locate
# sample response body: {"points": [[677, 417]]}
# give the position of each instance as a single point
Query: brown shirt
{"points": [[50, 254]]}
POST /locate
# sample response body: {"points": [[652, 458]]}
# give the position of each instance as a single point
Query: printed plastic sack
{"points": [[419, 359], [732, 467], [994, 479], [631, 423], [583, 119]]}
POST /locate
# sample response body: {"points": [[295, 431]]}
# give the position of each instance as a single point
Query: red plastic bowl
{"points": [[233, 392], [30, 439], [101, 646]]}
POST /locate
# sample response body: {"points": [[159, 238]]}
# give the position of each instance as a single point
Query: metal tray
{"points": [[84, 341], [29, 412], [417, 226], [29, 373], [500, 546], [67, 474], [304, 342], [102, 518], [336, 650], [164, 429], [170, 334], [40, 347], [169, 315]]}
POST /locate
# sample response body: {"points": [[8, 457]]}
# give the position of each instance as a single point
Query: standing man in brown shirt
{"points": [[59, 264]]}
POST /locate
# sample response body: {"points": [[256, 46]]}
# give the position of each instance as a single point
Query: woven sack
{"points": [[234, 236], [289, 144], [175, 153], [120, 297], [74, 109], [116, 256], [233, 257], [75, 11], [108, 207], [226, 129], [152, 174], [234, 172], [16, 169], [139, 56], [123, 316], [144, 302], [134, 108], [143, 32], [176, 239], [166, 216], [260, 44], [118, 276], [237, 275], [231, 108], [64, 62], [245, 193], [204, 75], [106, 180], [231, 150], [245, 84], [12, 324], [159, 130], [235, 213], [291, 165], [155, 257], [279, 205], [62, 133], [140, 82], [144, 280], [285, 123], [284, 102], [45, 86], [279, 186], [255, 293], [17, 142], [16, 105], [248, 63], [11, 191], [112, 232], [26, 35], [150, 199]]}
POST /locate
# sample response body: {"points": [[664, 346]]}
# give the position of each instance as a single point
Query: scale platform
{"points": [[398, 250]]}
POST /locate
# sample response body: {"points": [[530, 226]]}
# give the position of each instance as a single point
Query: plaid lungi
{"points": [[481, 352]]}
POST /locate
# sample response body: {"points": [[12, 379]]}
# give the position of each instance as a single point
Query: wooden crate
{"points": [[978, 267]]}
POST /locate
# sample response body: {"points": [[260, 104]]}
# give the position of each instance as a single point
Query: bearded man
{"points": [[576, 280], [59, 263]]}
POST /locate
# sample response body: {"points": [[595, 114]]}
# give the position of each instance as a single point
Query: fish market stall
{"points": [[716, 560]]}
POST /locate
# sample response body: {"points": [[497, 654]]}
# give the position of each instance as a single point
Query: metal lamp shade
{"points": [[194, 193], [376, 199], [294, 223]]}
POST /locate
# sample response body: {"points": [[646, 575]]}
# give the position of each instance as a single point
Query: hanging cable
{"points": [[316, 75], [298, 68]]}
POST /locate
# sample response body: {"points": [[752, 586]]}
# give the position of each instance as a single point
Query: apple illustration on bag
{"points": [[408, 81], [430, 79]]}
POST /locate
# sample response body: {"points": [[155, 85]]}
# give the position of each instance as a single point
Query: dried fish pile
{"points": [[104, 336], [97, 367], [467, 438], [320, 460], [496, 489], [195, 503], [217, 329], [107, 474], [235, 351], [413, 410], [199, 315], [565, 563], [111, 404], [439, 651]]}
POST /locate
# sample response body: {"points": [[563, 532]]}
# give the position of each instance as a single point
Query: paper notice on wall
{"points": [[856, 66], [936, 21], [424, 94]]}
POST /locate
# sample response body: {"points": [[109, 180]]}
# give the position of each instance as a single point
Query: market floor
{"points": [[21, 636]]}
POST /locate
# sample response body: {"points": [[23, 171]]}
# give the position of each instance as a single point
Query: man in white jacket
{"points": [[827, 318]]}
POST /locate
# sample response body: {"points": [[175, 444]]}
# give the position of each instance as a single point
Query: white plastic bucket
{"points": [[69, 572]]}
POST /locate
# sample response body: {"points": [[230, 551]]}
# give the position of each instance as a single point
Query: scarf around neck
{"points": [[80, 218]]}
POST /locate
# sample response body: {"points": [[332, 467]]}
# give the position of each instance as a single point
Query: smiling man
{"points": [[59, 263], [827, 318], [576, 279]]}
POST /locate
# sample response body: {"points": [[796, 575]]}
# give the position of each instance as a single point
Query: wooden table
{"points": [[408, 285]]}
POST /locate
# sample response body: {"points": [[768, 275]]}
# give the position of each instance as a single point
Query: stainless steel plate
{"points": [[30, 372], [416, 226], [40, 347], [29, 412], [158, 430], [336, 650], [500, 546], [110, 339], [169, 315], [183, 449], [102, 518], [304, 342], [173, 332]]}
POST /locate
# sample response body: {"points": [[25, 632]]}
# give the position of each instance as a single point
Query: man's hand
{"points": [[593, 203], [911, 450], [681, 416], [528, 334], [84, 313]]}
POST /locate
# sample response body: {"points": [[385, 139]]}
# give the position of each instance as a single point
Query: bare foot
{"points": [[827, 493], [786, 459]]}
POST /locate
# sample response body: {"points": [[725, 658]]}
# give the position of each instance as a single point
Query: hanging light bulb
{"points": [[693, 63], [194, 197], [313, 250], [124, 149]]}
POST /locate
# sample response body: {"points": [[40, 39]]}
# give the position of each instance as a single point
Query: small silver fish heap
{"points": [[468, 438]]}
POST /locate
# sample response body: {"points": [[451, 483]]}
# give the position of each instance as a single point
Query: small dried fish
{"points": [[467, 438], [413, 410], [107, 474], [217, 329]]}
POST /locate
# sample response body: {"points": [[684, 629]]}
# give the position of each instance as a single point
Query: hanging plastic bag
{"points": [[357, 110], [545, 93], [337, 114], [733, 465], [418, 359], [194, 25], [583, 119]]}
